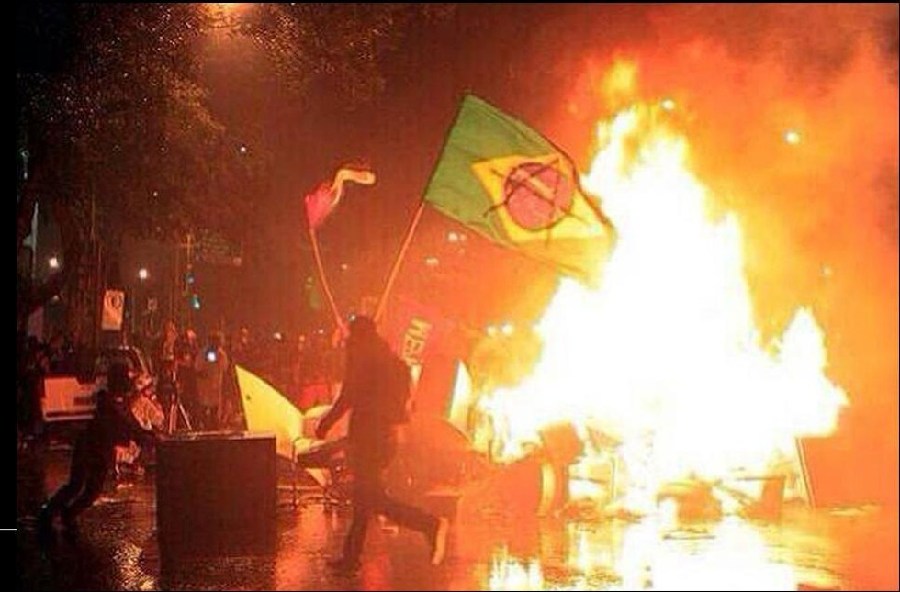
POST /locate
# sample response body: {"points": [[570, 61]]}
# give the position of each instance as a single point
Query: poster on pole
{"points": [[113, 309]]}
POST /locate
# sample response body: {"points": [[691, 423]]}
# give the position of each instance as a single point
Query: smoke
{"points": [[819, 213]]}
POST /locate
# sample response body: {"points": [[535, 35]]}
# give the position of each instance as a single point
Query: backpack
{"points": [[397, 391]]}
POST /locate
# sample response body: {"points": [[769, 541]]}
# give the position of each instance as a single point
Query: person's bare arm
{"points": [[337, 411]]}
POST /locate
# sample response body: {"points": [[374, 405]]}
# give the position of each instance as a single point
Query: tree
{"points": [[341, 43], [119, 134], [116, 130]]}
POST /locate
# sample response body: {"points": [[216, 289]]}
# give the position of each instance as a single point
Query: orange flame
{"points": [[665, 356]]}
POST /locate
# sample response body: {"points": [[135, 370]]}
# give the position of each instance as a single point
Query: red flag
{"points": [[319, 204], [325, 198]]}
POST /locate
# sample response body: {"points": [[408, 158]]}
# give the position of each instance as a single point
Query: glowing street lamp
{"points": [[792, 137], [227, 7], [143, 274], [224, 13], [54, 262]]}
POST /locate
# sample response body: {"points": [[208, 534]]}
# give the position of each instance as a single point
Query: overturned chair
{"points": [[323, 461]]}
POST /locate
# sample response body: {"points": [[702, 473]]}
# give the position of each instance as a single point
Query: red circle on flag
{"points": [[537, 195]]}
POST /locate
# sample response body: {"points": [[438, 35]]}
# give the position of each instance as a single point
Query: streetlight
{"points": [[792, 137], [224, 14], [54, 262], [227, 7], [143, 274]]}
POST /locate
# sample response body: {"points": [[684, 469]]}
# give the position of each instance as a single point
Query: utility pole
{"points": [[182, 270], [99, 280], [176, 279], [189, 266]]}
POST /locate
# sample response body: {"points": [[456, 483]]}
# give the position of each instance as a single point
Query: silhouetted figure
{"points": [[164, 362], [94, 453], [187, 349], [372, 438], [211, 367]]}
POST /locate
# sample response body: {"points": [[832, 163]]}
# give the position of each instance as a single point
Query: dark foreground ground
{"points": [[850, 548]]}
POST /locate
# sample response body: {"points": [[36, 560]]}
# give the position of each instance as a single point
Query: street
{"points": [[116, 548]]}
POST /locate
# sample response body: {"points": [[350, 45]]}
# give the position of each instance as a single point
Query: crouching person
{"points": [[95, 451]]}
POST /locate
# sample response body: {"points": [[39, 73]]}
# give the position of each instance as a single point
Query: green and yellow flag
{"points": [[506, 181]]}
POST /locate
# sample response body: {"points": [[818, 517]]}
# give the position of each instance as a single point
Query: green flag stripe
{"points": [[482, 133]]}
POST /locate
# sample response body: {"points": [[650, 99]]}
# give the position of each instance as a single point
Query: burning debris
{"points": [[665, 358]]}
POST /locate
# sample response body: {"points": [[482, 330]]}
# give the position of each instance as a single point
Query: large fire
{"points": [[664, 357]]}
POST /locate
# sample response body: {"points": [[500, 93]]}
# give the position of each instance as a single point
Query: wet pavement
{"points": [[853, 548]]}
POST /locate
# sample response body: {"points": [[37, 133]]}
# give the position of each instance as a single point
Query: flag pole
{"points": [[401, 254], [317, 255], [417, 216]]}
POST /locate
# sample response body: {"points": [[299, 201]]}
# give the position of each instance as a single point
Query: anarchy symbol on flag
{"points": [[535, 195]]}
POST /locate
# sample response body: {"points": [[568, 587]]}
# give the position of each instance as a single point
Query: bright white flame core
{"points": [[665, 355]]}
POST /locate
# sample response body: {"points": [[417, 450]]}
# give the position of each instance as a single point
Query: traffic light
{"points": [[190, 290]]}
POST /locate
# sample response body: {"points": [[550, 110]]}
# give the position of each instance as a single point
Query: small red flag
{"points": [[326, 196]]}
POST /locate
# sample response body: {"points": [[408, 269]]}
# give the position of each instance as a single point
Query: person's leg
{"points": [[406, 515], [434, 529], [394, 510], [70, 490], [94, 481], [362, 513], [356, 536]]}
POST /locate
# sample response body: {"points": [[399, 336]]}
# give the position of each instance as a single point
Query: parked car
{"points": [[73, 398]]}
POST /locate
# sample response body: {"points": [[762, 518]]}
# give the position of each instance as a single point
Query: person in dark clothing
{"points": [[164, 362], [36, 368], [372, 445], [186, 351], [94, 452]]}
